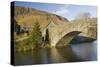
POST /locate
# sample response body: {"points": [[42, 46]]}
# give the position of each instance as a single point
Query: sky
{"points": [[68, 11]]}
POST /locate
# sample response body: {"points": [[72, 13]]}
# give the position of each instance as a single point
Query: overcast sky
{"points": [[68, 11]]}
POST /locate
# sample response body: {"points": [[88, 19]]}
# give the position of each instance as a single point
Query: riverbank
{"points": [[26, 46]]}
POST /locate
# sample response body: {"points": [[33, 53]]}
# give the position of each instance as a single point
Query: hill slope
{"points": [[27, 16]]}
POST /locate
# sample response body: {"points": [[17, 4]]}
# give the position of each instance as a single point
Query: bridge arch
{"points": [[66, 39]]}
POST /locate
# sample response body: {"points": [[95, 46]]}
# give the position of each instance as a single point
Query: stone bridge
{"points": [[63, 34]]}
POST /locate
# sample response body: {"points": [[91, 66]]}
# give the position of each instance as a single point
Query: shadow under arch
{"points": [[66, 39]]}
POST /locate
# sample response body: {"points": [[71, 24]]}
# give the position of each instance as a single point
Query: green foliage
{"points": [[34, 40], [36, 35]]}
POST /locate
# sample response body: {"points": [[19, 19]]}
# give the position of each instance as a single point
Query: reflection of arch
{"points": [[66, 39], [68, 53]]}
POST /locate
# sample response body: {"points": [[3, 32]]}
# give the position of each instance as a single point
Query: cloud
{"points": [[62, 11]]}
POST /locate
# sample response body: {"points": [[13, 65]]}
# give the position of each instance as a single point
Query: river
{"points": [[72, 53]]}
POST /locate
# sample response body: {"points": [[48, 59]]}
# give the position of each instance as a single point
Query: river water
{"points": [[72, 53]]}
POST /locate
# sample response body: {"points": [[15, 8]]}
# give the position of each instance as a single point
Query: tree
{"points": [[16, 27], [47, 37], [36, 35], [84, 15]]}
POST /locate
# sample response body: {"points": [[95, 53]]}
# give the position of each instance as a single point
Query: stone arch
{"points": [[66, 39]]}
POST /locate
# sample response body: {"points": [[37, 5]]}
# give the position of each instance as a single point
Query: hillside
{"points": [[27, 16]]}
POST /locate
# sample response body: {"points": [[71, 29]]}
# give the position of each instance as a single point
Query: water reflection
{"points": [[86, 51], [55, 56], [73, 53]]}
